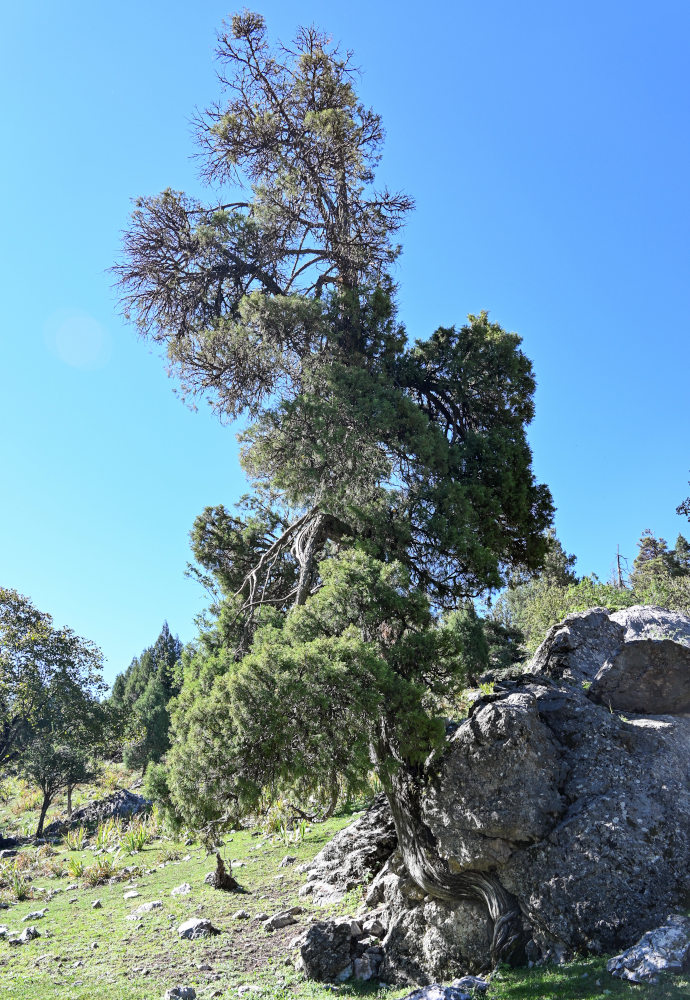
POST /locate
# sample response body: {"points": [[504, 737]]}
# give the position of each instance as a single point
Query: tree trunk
{"points": [[69, 802], [333, 801], [47, 799], [432, 873]]}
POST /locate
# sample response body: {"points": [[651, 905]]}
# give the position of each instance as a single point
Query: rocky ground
{"points": [[122, 938]]}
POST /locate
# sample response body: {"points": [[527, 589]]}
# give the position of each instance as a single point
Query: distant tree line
{"points": [[529, 606], [140, 698]]}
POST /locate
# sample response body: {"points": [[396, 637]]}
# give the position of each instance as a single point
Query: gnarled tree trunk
{"points": [[431, 872]]}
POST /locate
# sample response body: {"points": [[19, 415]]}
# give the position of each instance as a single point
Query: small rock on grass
{"points": [[28, 934], [155, 904], [289, 859], [475, 983], [436, 992], [241, 915], [130, 894], [181, 890], [36, 915], [279, 920], [180, 993], [196, 927], [97, 905]]}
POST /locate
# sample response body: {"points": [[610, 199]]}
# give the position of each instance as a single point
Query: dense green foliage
{"points": [[140, 698], [39, 664], [51, 719], [392, 481]]}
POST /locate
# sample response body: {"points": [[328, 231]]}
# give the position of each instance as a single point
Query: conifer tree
{"points": [[391, 480]]}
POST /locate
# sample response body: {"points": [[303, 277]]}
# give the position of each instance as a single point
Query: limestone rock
{"points": [[428, 939], [325, 953], [278, 920], [196, 927], [180, 993], [436, 992], [651, 672], [28, 934], [665, 949], [181, 890], [122, 803], [576, 649], [471, 983], [155, 904], [354, 855], [35, 915]]}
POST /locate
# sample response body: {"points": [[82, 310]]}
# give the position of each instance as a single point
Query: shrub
{"points": [[76, 838], [75, 866]]}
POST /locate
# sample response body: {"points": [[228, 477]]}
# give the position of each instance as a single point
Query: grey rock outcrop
{"points": [[664, 949], [181, 993], [336, 950], [437, 992], [427, 938], [283, 919], [636, 660], [557, 816], [354, 855], [122, 803]]}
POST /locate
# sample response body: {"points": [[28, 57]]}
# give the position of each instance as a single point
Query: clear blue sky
{"points": [[547, 146]]}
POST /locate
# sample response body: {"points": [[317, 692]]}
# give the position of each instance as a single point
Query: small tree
{"points": [[36, 661], [65, 742]]}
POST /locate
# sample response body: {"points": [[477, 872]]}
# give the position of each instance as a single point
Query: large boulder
{"points": [[557, 816], [353, 856], [120, 804], [636, 660], [427, 939]]}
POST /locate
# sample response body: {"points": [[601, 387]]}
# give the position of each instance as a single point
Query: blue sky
{"points": [[547, 146]]}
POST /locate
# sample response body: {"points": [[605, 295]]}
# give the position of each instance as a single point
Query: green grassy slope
{"points": [[85, 953]]}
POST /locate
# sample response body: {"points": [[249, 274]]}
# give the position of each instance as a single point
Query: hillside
{"points": [[87, 952]]}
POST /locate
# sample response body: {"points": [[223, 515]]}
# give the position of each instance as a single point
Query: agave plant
{"points": [[102, 870], [75, 866], [76, 839], [18, 885], [134, 839]]}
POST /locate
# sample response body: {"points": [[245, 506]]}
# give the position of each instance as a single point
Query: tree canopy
{"points": [[391, 480], [140, 698], [38, 661]]}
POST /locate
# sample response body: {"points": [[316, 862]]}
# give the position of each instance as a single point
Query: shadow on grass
{"points": [[585, 980]]}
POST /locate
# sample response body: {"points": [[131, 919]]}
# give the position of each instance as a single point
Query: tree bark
{"points": [[431, 872], [47, 799], [69, 802], [333, 801]]}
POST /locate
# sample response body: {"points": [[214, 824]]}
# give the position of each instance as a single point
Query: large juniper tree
{"points": [[392, 481]]}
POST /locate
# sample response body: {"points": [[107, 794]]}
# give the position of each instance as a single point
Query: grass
{"points": [[87, 954]]}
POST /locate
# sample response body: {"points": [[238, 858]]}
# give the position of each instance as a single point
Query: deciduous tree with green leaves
{"points": [[37, 660], [392, 481]]}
